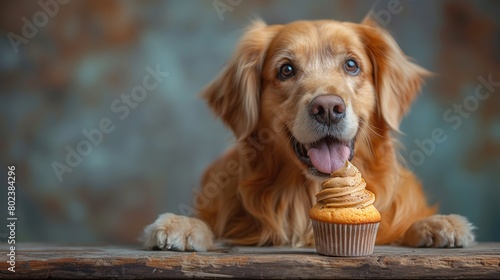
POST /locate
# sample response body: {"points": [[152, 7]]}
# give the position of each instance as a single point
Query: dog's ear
{"points": [[397, 79], [235, 94]]}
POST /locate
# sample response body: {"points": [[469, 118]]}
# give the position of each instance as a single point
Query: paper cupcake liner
{"points": [[344, 239]]}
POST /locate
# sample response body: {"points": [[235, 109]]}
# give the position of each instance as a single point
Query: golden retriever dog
{"points": [[301, 99]]}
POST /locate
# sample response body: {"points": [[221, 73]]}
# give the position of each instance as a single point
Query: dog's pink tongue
{"points": [[328, 155]]}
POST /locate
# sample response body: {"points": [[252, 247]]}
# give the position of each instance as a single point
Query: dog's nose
{"points": [[327, 109]]}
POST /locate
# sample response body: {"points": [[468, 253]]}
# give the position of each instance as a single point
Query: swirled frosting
{"points": [[345, 188]]}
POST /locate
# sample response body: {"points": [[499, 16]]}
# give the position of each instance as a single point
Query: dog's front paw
{"points": [[440, 231], [178, 233]]}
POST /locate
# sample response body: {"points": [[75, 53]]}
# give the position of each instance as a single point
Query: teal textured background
{"points": [[67, 76]]}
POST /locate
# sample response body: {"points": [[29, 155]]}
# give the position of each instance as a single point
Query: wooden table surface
{"points": [[60, 261]]}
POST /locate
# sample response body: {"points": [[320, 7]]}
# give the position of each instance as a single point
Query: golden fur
{"points": [[259, 192]]}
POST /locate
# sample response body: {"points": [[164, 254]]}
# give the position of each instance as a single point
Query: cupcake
{"points": [[344, 220]]}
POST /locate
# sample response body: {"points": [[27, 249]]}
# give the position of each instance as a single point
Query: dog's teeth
{"points": [[307, 146]]}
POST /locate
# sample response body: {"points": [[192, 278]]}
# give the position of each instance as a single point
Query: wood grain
{"points": [[59, 261]]}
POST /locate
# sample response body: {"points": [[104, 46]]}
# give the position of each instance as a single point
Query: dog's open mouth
{"points": [[324, 156]]}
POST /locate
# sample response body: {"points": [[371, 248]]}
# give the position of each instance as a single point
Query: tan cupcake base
{"points": [[344, 239]]}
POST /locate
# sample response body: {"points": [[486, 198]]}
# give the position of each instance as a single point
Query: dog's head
{"points": [[320, 83]]}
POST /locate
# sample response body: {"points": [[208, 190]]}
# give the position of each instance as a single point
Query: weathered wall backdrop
{"points": [[66, 69]]}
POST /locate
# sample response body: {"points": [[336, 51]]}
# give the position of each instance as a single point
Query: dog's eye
{"points": [[351, 67], [286, 71]]}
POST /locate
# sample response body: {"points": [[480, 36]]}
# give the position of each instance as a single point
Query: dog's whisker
{"points": [[366, 139], [371, 128]]}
